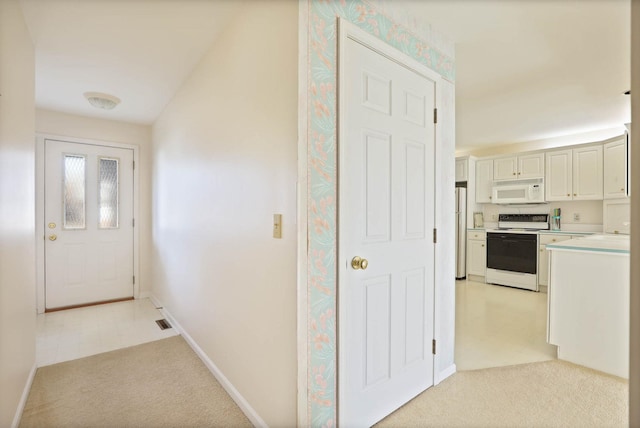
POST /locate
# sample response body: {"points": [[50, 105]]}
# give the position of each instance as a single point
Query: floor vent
{"points": [[163, 324]]}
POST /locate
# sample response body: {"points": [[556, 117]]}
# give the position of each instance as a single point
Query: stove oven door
{"points": [[514, 252]]}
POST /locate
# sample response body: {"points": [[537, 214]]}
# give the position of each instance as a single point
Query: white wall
{"points": [[590, 213], [17, 233], [69, 125], [546, 143], [634, 360], [224, 161]]}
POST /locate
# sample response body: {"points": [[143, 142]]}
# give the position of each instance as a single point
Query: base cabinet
{"points": [[588, 309], [476, 253], [543, 255]]}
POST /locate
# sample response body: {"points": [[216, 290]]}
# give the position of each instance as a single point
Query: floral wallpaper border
{"points": [[322, 176]]}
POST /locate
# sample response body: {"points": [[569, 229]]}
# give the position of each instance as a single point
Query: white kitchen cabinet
{"points": [[519, 167], [587, 173], [505, 168], [462, 169], [588, 303], [559, 175], [484, 181], [531, 166], [543, 255], [574, 174], [615, 169], [476, 253], [617, 216]]}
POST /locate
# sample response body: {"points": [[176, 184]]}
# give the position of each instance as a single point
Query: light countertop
{"points": [[602, 243]]}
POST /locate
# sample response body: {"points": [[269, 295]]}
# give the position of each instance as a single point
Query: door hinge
{"points": [[133, 222], [134, 279], [134, 164], [435, 115], [433, 347], [435, 235]]}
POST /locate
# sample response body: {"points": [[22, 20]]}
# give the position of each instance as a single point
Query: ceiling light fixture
{"points": [[100, 100]]}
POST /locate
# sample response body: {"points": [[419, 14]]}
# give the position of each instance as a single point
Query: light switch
{"points": [[277, 226]]}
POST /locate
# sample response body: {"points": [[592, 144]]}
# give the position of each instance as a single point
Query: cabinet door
{"points": [[587, 173], [476, 257], [615, 169], [461, 169], [558, 173], [484, 181], [505, 168], [531, 166], [543, 266]]}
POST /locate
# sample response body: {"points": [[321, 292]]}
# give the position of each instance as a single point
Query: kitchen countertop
{"points": [[602, 243]]}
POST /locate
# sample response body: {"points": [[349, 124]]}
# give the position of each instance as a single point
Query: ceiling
{"points": [[526, 69]]}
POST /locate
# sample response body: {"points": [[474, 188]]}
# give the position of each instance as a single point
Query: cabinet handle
{"points": [[553, 240], [518, 173], [514, 173], [622, 190], [568, 194], [483, 245], [541, 250], [489, 197]]}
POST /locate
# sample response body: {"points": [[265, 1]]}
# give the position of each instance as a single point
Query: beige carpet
{"points": [[547, 394], [157, 384]]}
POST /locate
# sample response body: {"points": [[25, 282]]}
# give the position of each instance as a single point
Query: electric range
{"points": [[512, 250]]}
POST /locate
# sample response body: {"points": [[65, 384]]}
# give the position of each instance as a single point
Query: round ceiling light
{"points": [[100, 100]]}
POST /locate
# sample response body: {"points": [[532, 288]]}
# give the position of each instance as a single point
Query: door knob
{"points": [[359, 263], [53, 237]]}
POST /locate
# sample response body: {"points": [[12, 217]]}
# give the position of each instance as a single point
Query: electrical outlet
{"points": [[576, 216]]}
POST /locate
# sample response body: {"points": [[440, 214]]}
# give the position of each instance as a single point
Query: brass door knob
{"points": [[359, 263], [53, 237]]}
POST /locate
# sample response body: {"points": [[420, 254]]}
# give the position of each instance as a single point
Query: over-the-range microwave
{"points": [[518, 191]]}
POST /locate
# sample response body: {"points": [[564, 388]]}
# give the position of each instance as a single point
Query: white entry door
{"points": [[88, 224], [386, 205]]}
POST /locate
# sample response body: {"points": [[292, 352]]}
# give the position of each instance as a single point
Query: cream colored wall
{"points": [[69, 125], [547, 143], [224, 161], [17, 234], [634, 360]]}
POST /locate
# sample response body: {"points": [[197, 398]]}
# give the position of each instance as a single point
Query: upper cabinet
{"points": [[615, 169], [519, 167], [574, 174], [559, 177], [587, 173], [484, 181], [462, 169]]}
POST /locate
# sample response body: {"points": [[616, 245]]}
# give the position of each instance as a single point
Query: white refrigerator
{"points": [[461, 232]]}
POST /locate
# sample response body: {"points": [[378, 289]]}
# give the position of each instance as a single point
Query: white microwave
{"points": [[518, 192]]}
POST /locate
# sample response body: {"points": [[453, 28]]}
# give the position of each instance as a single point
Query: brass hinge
{"points": [[134, 279], [435, 235], [435, 115], [433, 347]]}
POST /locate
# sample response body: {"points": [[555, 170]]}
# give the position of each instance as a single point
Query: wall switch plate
{"points": [[576, 216], [277, 226]]}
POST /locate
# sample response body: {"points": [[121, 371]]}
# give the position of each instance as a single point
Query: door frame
{"points": [[346, 31], [39, 206]]}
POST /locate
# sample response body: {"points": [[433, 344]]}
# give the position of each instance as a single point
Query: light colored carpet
{"points": [[546, 394], [157, 384]]}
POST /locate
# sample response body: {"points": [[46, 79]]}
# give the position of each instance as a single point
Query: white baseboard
{"points": [[23, 399], [244, 405], [442, 375]]}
